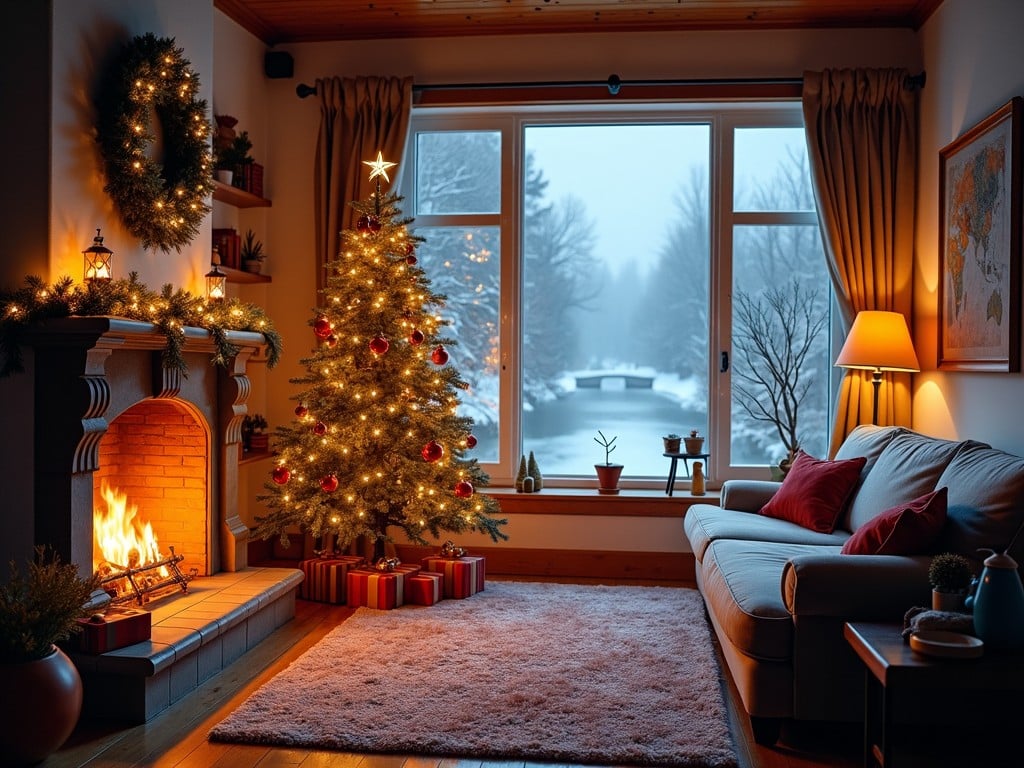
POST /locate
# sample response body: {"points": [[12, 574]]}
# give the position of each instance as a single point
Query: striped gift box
{"points": [[326, 577], [385, 590], [463, 576], [424, 588]]}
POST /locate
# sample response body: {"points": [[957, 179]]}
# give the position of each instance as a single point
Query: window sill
{"points": [[630, 502]]}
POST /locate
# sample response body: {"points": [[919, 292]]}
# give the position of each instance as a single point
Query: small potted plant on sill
{"points": [[950, 576], [694, 442], [607, 473], [672, 442], [252, 253], [38, 608]]}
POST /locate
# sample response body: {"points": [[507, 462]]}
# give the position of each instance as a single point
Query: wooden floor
{"points": [[177, 737]]}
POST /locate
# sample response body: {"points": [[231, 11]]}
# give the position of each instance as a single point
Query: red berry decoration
{"points": [[320, 429], [416, 337], [439, 355], [379, 345], [301, 410], [432, 451], [331, 341], [329, 483], [471, 441], [281, 475], [322, 327], [463, 489], [410, 249], [363, 223], [373, 224]]}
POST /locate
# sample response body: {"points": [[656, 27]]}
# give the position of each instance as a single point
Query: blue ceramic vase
{"points": [[999, 603]]}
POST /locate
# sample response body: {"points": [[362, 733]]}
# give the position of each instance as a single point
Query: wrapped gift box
{"points": [[117, 628], [463, 576], [326, 577], [385, 590], [424, 588]]}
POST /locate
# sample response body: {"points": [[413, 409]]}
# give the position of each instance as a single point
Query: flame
{"points": [[119, 538]]}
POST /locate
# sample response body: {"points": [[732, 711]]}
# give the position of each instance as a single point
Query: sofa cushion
{"points": [[868, 441], [705, 523], [742, 585], [908, 467], [906, 529], [815, 492], [986, 502]]}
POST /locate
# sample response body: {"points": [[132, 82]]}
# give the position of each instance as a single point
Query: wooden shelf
{"points": [[241, 276], [239, 198]]}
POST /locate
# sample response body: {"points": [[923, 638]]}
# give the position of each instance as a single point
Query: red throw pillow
{"points": [[814, 492], [906, 529]]}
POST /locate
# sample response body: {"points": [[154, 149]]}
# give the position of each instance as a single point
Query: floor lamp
{"points": [[878, 342]]}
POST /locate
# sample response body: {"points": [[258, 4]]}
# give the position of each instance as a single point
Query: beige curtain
{"points": [[862, 143], [358, 117]]}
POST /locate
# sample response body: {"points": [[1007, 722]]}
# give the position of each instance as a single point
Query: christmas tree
{"points": [[377, 441]]}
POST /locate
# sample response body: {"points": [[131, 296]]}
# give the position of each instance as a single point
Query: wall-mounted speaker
{"points": [[278, 64]]}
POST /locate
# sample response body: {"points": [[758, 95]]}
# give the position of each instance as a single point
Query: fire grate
{"points": [[143, 583]]}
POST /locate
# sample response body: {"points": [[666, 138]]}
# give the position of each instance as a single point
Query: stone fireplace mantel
{"points": [[80, 374]]}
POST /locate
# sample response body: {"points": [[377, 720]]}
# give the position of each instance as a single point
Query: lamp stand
{"points": [[876, 384]]}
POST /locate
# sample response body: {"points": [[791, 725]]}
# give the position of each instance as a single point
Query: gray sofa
{"points": [[778, 594]]}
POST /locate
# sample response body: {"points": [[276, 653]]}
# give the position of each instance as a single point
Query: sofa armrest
{"points": [[855, 587], [747, 495]]}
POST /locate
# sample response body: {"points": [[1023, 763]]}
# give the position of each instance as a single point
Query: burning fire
{"points": [[120, 541]]}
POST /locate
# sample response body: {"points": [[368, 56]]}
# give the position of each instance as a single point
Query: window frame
{"points": [[511, 121]]}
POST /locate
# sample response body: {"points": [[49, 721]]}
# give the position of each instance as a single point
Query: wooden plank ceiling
{"points": [[294, 21]]}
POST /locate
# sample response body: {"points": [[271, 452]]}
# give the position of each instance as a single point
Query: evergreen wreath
{"points": [[170, 311], [162, 204]]}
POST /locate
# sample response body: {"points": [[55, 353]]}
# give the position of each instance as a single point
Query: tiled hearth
{"points": [[195, 636]]}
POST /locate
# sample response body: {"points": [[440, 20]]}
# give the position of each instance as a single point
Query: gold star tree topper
{"points": [[380, 167]]}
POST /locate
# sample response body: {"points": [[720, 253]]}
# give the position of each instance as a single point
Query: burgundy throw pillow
{"points": [[815, 492], [906, 529]]}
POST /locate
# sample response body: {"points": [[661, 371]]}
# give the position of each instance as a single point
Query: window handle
{"points": [[725, 363]]}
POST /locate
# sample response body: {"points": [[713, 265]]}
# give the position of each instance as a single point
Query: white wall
{"points": [[975, 64]]}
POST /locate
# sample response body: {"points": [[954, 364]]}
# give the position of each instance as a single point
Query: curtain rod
{"points": [[614, 84]]}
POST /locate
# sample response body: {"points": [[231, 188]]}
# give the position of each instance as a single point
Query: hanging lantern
{"points": [[216, 281], [97, 260]]}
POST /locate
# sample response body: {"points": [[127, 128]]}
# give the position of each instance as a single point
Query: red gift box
{"points": [[378, 589], [326, 577], [463, 576], [118, 628], [424, 588]]}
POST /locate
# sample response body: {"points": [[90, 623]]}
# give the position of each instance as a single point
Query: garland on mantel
{"points": [[171, 311], [161, 203]]}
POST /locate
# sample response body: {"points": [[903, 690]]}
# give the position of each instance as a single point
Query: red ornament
{"points": [[463, 489], [432, 451], [416, 337], [322, 327], [331, 341], [411, 259], [329, 483], [410, 249], [379, 345], [281, 475], [320, 429], [373, 224], [363, 223], [301, 410], [471, 441], [439, 355]]}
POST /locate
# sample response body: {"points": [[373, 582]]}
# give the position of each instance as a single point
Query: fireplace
{"points": [[99, 416]]}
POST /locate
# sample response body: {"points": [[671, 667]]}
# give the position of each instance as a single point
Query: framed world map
{"points": [[980, 244]]}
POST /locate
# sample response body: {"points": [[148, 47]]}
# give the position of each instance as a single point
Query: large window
{"points": [[637, 272]]}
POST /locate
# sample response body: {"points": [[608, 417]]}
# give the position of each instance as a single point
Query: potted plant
{"points": [[232, 154], [694, 443], [252, 253], [607, 473], [950, 576], [38, 608], [672, 442]]}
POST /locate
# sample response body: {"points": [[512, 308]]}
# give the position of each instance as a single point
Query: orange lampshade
{"points": [[879, 341]]}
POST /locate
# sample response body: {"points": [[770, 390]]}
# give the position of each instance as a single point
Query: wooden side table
{"points": [[669, 486], [905, 688]]}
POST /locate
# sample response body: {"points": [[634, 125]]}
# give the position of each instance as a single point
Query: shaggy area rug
{"points": [[530, 671]]}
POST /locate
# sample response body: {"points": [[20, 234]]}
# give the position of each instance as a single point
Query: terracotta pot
{"points": [[40, 706], [252, 265], [947, 601], [608, 478], [672, 444], [694, 445]]}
